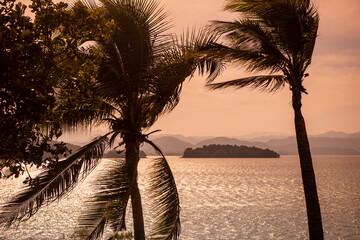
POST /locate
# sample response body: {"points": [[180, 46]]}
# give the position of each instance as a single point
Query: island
{"points": [[229, 151]]}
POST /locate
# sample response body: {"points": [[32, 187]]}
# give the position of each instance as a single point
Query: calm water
{"points": [[226, 199]]}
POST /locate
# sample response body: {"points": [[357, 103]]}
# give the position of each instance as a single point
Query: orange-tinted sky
{"points": [[333, 102]]}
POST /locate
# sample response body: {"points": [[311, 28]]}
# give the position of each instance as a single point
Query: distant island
{"points": [[229, 151]]}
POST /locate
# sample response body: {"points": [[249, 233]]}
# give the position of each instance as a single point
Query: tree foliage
{"points": [[27, 91], [37, 57], [272, 36]]}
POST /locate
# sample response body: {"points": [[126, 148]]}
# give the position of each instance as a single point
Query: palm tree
{"points": [[276, 36], [139, 79]]}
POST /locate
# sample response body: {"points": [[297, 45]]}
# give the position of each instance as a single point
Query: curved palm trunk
{"points": [[132, 146], [307, 172], [139, 232]]}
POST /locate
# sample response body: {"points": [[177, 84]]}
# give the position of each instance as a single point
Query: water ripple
{"points": [[225, 199]]}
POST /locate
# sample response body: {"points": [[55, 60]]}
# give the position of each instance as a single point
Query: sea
{"points": [[221, 199]]}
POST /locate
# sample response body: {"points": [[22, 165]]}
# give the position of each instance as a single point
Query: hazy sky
{"points": [[333, 102]]}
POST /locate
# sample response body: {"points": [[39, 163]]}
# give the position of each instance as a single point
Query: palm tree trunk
{"points": [[137, 212], [132, 158], [307, 171]]}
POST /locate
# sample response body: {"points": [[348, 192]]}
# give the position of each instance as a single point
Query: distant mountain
{"points": [[115, 154], [73, 147], [335, 134], [231, 141], [354, 135], [329, 143], [267, 138], [353, 143], [169, 146], [107, 154], [284, 146], [174, 146], [318, 145], [259, 135], [333, 151], [192, 139], [81, 137]]}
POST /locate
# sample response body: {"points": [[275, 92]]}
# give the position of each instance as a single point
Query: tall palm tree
{"points": [[139, 79], [278, 37]]}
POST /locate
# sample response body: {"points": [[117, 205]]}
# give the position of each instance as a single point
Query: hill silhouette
{"points": [[329, 143], [347, 144], [115, 154], [318, 145], [230, 141], [108, 154], [229, 151], [169, 146]]}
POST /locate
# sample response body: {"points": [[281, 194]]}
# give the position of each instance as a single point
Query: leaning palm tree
{"points": [[276, 36], [139, 79]]}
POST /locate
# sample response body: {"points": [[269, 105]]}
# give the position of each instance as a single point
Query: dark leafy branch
{"points": [[54, 183]]}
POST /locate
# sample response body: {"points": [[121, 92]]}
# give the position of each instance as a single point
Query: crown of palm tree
{"points": [[270, 35]]}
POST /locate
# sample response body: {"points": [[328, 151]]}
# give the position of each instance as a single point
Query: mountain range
{"points": [[107, 154], [330, 143]]}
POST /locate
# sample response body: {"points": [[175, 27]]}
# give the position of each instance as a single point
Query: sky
{"points": [[333, 102]]}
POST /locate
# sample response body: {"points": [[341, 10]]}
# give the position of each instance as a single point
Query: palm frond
{"points": [[260, 50], [156, 148], [291, 23], [140, 25], [174, 66], [99, 228], [54, 183], [109, 204], [84, 115], [113, 138], [269, 83], [91, 4], [167, 205], [165, 91], [195, 43], [112, 81], [270, 35]]}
